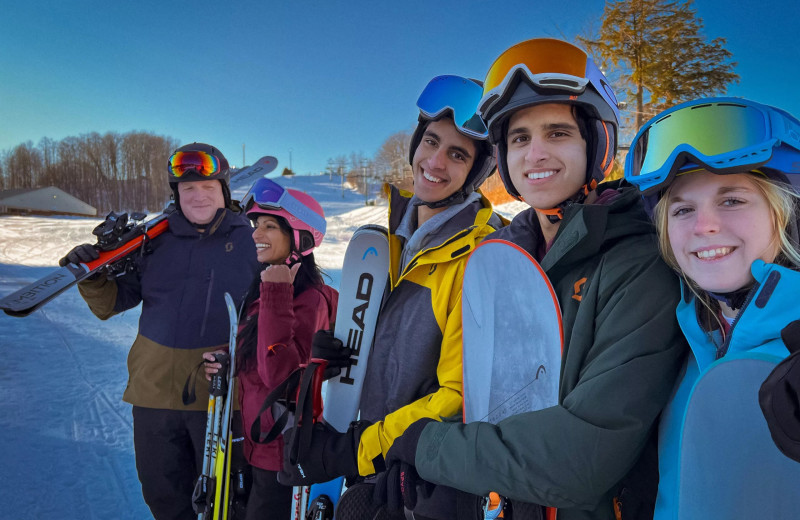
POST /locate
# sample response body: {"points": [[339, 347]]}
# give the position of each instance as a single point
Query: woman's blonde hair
{"points": [[784, 207]]}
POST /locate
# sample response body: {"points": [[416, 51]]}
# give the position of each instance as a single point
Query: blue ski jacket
{"points": [[755, 335], [180, 286]]}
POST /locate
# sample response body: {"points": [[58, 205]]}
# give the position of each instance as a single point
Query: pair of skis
{"points": [[119, 239], [365, 273], [214, 492]]}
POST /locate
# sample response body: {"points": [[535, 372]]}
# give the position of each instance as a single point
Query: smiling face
{"points": [[272, 244], [442, 161], [200, 200], [546, 154], [717, 226]]}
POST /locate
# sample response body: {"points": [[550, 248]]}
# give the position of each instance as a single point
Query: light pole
{"points": [[366, 181], [341, 176]]}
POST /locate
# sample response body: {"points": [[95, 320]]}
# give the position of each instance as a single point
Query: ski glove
{"points": [[80, 254], [397, 486], [329, 455], [325, 346], [779, 396], [791, 336]]}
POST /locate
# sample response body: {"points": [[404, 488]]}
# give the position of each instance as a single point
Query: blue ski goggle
{"points": [[458, 95], [269, 195], [721, 135]]}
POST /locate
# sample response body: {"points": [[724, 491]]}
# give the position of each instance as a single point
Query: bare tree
{"points": [[110, 171], [392, 158]]}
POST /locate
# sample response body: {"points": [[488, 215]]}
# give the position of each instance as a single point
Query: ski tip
{"points": [[372, 228], [17, 314]]}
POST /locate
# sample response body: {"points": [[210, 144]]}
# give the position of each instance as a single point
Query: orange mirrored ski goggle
{"points": [[203, 163], [545, 63]]}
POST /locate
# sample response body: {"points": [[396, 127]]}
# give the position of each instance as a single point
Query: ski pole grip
{"points": [[219, 381]]}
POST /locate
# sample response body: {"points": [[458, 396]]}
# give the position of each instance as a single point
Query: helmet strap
{"points": [[293, 258], [557, 213], [456, 198]]}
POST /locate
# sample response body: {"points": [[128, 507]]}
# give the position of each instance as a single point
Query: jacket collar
{"points": [[454, 239], [223, 220], [770, 306], [585, 229]]}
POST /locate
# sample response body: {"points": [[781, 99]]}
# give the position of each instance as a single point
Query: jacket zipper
{"points": [[723, 349]]}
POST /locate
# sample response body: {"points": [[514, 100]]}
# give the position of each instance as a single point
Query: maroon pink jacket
{"points": [[286, 326]]}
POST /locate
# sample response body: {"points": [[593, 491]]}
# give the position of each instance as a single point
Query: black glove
{"points": [[325, 346], [791, 336], [329, 455], [80, 254], [779, 396], [397, 486]]}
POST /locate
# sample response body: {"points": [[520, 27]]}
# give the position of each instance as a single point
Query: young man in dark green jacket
{"points": [[554, 121]]}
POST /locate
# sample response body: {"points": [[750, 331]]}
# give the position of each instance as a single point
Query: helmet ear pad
{"points": [[601, 149], [502, 166], [304, 241]]}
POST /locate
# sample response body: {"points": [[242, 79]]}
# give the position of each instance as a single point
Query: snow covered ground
{"points": [[67, 434]]}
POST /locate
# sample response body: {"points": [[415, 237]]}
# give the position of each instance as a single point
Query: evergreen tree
{"points": [[661, 57]]}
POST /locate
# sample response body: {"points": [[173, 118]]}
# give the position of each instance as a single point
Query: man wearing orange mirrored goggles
{"points": [[206, 251], [553, 118]]}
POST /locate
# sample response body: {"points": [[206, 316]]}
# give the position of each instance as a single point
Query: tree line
{"points": [[112, 172]]}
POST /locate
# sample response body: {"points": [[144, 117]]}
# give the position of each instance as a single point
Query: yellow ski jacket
{"points": [[415, 368]]}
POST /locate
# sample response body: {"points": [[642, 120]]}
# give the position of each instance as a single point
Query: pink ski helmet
{"points": [[300, 210]]}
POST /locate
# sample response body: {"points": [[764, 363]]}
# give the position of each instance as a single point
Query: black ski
{"points": [[119, 237]]}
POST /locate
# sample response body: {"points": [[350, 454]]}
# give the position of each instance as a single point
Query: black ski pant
{"points": [[169, 457], [269, 499]]}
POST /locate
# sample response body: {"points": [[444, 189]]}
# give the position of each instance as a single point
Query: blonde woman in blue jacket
{"points": [[719, 173]]}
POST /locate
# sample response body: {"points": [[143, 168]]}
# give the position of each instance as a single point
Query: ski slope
{"points": [[67, 434]]}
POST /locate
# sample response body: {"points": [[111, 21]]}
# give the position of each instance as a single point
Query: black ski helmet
{"points": [[545, 70], [193, 175], [472, 127]]}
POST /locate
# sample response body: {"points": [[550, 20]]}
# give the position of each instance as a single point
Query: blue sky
{"points": [[310, 79]]}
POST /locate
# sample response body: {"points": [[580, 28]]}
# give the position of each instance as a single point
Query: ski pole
{"points": [[205, 487]]}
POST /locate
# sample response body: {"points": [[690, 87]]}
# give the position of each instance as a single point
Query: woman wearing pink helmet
{"points": [[285, 305]]}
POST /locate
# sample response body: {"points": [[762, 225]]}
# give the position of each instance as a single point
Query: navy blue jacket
{"points": [[181, 286]]}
